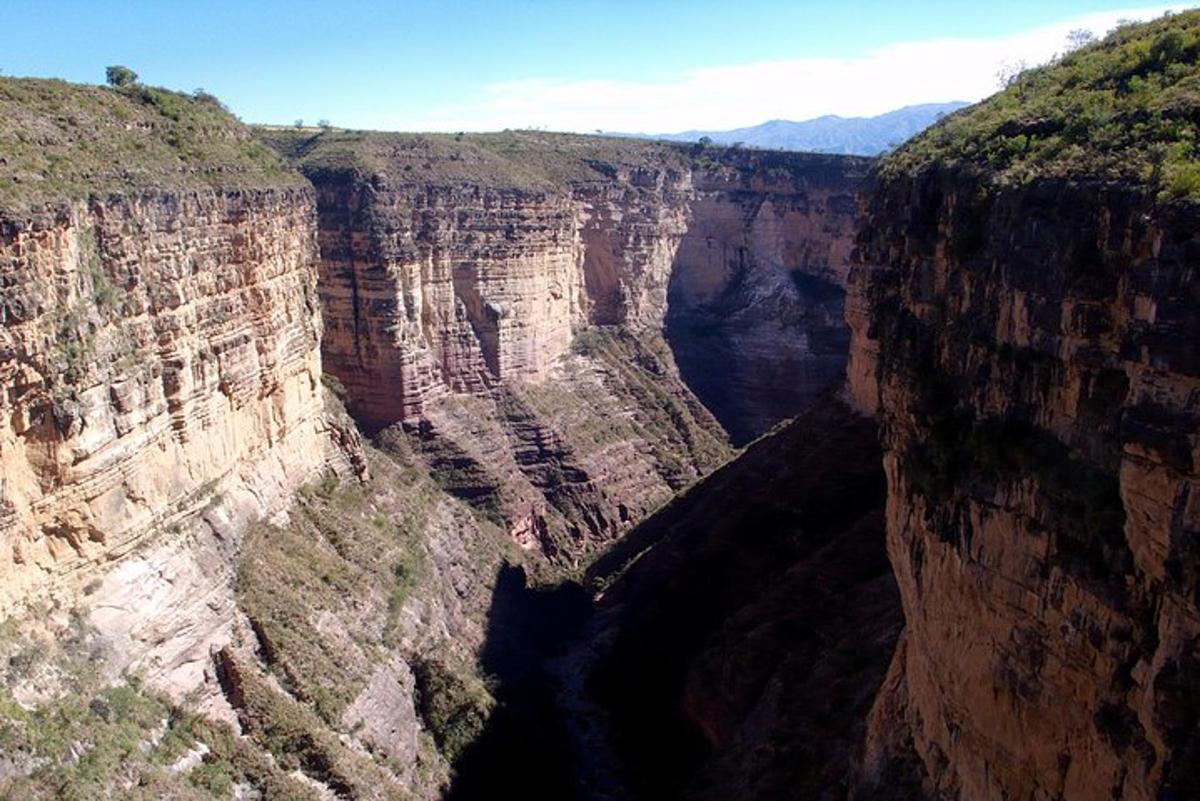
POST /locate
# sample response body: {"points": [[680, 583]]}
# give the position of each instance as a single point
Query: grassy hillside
{"points": [[64, 141], [1125, 108], [515, 159]]}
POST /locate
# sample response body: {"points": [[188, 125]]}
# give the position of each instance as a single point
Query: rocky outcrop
{"points": [[158, 352], [430, 289], [461, 278], [755, 313], [1025, 321], [574, 461], [160, 365], [434, 283], [432, 286], [1037, 380]]}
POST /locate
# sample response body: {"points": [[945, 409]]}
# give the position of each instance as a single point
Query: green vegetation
{"points": [[68, 141], [299, 740], [1126, 108], [536, 161], [530, 160], [453, 705], [460, 475], [337, 549], [101, 740], [120, 76], [326, 594]]}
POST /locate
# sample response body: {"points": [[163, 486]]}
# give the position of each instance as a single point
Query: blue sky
{"points": [[615, 65]]}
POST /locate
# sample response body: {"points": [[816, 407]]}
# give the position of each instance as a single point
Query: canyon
{"points": [[501, 295], [368, 465], [187, 503]]}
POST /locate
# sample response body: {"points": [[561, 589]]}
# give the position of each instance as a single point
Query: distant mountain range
{"points": [[862, 136]]}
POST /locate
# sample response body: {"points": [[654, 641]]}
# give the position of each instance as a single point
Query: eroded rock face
{"points": [[1033, 354], [436, 286], [464, 305], [161, 369], [756, 296], [430, 289]]}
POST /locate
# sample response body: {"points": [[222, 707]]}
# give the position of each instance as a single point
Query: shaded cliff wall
{"points": [[1037, 374], [744, 628], [757, 287]]}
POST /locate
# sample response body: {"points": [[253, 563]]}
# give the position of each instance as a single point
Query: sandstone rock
{"points": [[161, 370], [1037, 380]]}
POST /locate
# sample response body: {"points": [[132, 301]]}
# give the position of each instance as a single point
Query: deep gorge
{"points": [[362, 465]]}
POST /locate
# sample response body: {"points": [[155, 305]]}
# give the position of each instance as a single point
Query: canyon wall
{"points": [[487, 291], [160, 364], [446, 271], [755, 314], [1037, 378], [1025, 321]]}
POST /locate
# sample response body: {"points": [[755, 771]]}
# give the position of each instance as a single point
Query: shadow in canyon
{"points": [[524, 750], [735, 653], [766, 346]]}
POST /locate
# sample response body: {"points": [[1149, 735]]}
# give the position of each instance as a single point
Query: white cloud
{"points": [[737, 95]]}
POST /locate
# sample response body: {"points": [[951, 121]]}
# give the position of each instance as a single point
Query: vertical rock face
{"points": [[1038, 379], [157, 351], [159, 361], [445, 272], [475, 266], [1030, 287], [430, 289], [631, 224], [161, 374], [755, 315]]}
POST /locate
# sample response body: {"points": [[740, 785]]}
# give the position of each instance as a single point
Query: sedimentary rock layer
{"points": [[460, 278], [442, 277], [757, 286], [157, 350], [159, 362], [1036, 371]]}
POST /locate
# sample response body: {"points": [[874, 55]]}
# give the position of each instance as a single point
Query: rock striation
{"points": [[755, 313], [454, 264], [160, 365], [481, 267], [1031, 349]]}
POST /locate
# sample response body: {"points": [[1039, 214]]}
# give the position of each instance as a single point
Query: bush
{"points": [[452, 707], [120, 76], [1124, 109]]}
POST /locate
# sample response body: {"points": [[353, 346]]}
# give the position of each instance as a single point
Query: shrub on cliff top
{"points": [[1125, 108], [118, 75]]}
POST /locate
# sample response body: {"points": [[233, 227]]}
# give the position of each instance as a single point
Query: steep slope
{"points": [[735, 648], [498, 295], [746, 627], [1026, 323], [755, 299], [159, 354], [171, 604], [197, 535]]}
